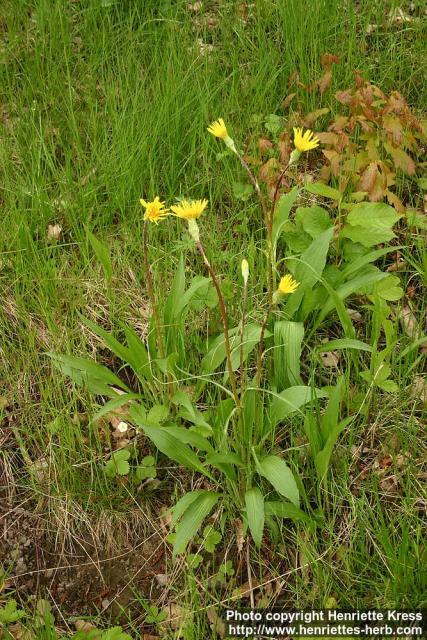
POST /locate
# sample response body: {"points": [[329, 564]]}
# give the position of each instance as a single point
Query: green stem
{"points": [[268, 221], [261, 345], [150, 288]]}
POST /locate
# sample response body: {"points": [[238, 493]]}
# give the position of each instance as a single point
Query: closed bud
{"points": [[245, 270]]}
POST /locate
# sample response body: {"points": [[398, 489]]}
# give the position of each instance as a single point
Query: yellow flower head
{"points": [[305, 142], [218, 129], [189, 209], [287, 285], [154, 210]]}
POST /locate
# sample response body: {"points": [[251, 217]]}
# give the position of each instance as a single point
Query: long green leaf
{"points": [[84, 371], [140, 359], [169, 445], [288, 337], [192, 519], [183, 503], [286, 510], [291, 399], [189, 294], [347, 289], [254, 501], [283, 208], [102, 254], [330, 417], [323, 457], [343, 343]]}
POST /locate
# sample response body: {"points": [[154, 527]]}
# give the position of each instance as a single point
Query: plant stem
{"points": [[261, 345], [268, 221], [224, 322], [242, 331], [151, 296]]}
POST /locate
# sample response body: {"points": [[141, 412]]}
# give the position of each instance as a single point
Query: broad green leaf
{"points": [[273, 123], [288, 337], [192, 519], [368, 237], [9, 613], [254, 501], [281, 213], [286, 510], [102, 254], [291, 399], [242, 190], [277, 472], [312, 262], [388, 385], [389, 288], [118, 463], [370, 223], [157, 414], [309, 269], [314, 220], [320, 189]]}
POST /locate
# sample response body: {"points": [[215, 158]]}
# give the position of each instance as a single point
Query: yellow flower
{"points": [[154, 210], [189, 209], [218, 129], [305, 142], [287, 285]]}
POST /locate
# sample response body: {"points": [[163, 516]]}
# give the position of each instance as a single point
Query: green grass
{"points": [[103, 104]]}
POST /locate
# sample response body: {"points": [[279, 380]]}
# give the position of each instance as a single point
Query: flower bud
{"points": [[193, 230], [245, 270]]}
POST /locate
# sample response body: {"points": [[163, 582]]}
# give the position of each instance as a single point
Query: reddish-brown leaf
{"points": [[264, 145], [334, 159], [345, 97], [394, 201], [328, 59], [268, 170], [367, 179], [311, 117], [378, 190], [284, 147], [358, 79], [393, 128], [287, 101], [327, 137], [324, 82], [401, 159], [339, 123]]}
